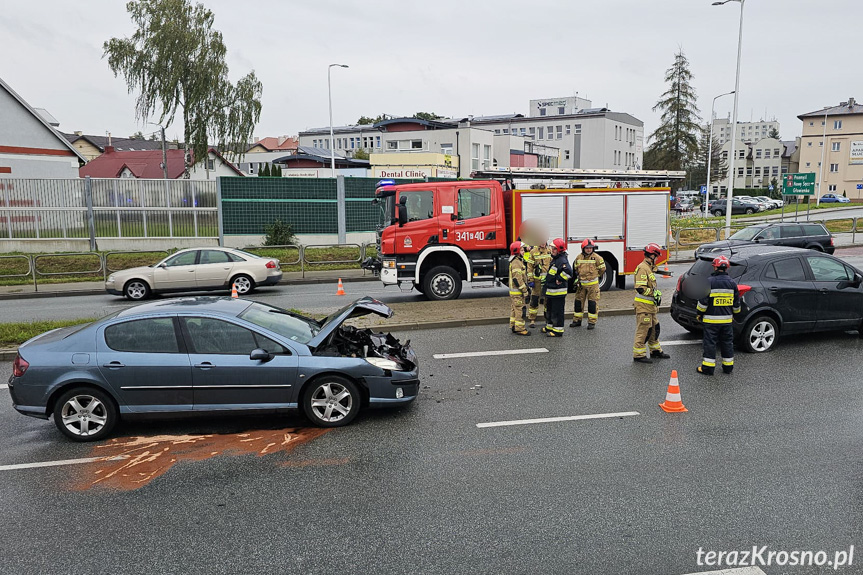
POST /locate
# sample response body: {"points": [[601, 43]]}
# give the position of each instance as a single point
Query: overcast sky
{"points": [[455, 58]]}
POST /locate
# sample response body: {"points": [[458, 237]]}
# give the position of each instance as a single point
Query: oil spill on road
{"points": [[133, 462]]}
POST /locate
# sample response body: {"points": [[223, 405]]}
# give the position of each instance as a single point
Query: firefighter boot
{"points": [[659, 354], [591, 326], [522, 332], [642, 359], [577, 314]]}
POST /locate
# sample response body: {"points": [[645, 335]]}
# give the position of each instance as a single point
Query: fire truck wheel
{"points": [[606, 280], [442, 283]]}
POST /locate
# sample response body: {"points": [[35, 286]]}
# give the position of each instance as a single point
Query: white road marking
{"points": [[556, 419], [737, 571], [680, 342], [484, 353], [4, 386], [60, 462]]}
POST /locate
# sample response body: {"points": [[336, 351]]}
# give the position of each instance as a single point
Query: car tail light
{"points": [[831, 241], [271, 265], [19, 366], [743, 288], [679, 282]]}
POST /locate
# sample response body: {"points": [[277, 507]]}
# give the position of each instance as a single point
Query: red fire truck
{"points": [[436, 235]]}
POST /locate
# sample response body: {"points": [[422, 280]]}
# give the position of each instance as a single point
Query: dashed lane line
{"points": [[59, 463], [4, 386], [556, 419], [680, 342], [485, 353]]}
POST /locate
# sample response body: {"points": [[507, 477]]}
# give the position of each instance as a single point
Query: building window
{"points": [[749, 172], [725, 155], [486, 156], [757, 154], [837, 124], [808, 164], [561, 110], [352, 143], [775, 152], [377, 142], [831, 188], [808, 144], [568, 131], [531, 130], [211, 164], [474, 156], [566, 154], [506, 130], [766, 153], [834, 146], [522, 131], [739, 172], [741, 154], [542, 111], [446, 148], [775, 170], [811, 123], [416, 144], [821, 144], [834, 168], [758, 172], [559, 132], [577, 129], [392, 145], [539, 132], [497, 131]]}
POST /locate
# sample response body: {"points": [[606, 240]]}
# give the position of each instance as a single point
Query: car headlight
{"points": [[383, 363], [111, 278]]}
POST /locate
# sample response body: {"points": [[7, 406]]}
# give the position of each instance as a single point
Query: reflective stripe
{"points": [[565, 275], [672, 396], [654, 347], [557, 329], [652, 276], [727, 362], [717, 319], [639, 351], [555, 292], [721, 291], [590, 282], [736, 310], [708, 362], [701, 307], [552, 272], [645, 300], [533, 310], [578, 315], [515, 292], [593, 316], [580, 262]]}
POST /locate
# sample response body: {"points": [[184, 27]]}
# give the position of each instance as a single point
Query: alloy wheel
{"points": [[332, 402], [762, 335], [84, 415]]}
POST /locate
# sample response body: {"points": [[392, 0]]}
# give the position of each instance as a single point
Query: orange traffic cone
{"points": [[666, 273], [341, 290], [234, 291], [673, 404]]}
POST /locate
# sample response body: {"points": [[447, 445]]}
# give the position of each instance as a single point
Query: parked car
{"points": [[772, 203], [211, 355], [762, 205], [197, 269], [682, 205], [738, 206], [783, 291], [813, 236], [834, 199]]}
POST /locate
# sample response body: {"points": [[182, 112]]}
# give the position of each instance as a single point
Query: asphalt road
{"points": [[313, 299], [768, 456]]}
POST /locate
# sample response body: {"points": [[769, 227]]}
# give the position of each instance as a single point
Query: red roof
{"points": [[272, 144], [143, 164]]}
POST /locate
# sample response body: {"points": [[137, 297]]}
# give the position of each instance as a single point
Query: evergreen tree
{"points": [[277, 171], [774, 133], [264, 172], [675, 141]]}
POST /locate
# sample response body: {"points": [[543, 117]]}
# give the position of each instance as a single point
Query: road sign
{"points": [[799, 184], [860, 186], [770, 188], [704, 189]]}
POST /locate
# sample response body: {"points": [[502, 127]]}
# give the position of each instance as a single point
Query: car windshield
{"points": [[282, 322], [745, 233]]}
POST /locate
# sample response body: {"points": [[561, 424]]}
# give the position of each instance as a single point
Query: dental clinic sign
{"points": [[856, 154]]}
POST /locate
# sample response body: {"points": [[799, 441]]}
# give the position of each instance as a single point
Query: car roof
{"points": [[223, 305]]}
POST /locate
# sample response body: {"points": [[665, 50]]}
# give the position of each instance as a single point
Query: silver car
{"points": [[211, 355], [197, 269]]}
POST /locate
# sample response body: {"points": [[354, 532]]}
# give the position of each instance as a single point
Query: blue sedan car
{"points": [[833, 198], [211, 355]]}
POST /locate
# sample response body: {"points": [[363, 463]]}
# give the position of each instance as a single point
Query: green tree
{"points": [[427, 116], [361, 154], [139, 135], [675, 141], [774, 133], [367, 121], [264, 172], [175, 60]]}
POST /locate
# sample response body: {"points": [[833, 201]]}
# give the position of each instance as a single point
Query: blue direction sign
{"points": [[704, 189], [860, 186]]}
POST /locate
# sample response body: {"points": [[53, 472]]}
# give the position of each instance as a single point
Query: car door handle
{"points": [[773, 289], [114, 364], [205, 365], [191, 271], [824, 290]]}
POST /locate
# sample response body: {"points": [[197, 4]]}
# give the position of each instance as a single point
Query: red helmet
{"points": [[560, 244], [721, 262], [652, 250], [515, 248], [588, 243]]}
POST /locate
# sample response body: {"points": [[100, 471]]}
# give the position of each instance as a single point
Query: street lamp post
{"points": [[710, 151], [821, 177], [330, 97], [730, 193]]}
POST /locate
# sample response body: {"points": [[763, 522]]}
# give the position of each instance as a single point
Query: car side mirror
{"points": [[858, 279], [403, 214], [260, 355], [163, 265]]}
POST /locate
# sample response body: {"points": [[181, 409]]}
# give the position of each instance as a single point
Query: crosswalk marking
{"points": [[680, 342], [485, 353]]}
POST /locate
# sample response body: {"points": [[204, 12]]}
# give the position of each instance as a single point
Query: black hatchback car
{"points": [[783, 291], [812, 236]]}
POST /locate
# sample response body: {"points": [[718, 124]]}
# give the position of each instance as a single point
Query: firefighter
{"points": [[556, 288], [715, 312], [647, 300], [518, 290], [589, 266], [538, 262]]}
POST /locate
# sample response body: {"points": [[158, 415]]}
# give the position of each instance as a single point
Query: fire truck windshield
{"points": [[386, 201]]}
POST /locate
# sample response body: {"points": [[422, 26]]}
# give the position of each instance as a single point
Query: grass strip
{"points": [[14, 334]]}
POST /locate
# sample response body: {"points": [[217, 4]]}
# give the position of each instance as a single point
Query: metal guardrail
{"points": [[36, 271], [107, 269], [19, 257]]}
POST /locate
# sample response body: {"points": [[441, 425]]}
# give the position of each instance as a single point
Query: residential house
{"points": [[148, 165], [835, 134], [94, 146], [281, 144]]}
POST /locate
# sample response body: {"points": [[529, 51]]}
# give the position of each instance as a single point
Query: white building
{"points": [[746, 131], [757, 164]]}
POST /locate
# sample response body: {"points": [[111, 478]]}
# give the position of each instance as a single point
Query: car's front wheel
{"points": [[136, 290], [750, 211], [331, 401], [85, 414], [761, 334], [717, 213]]}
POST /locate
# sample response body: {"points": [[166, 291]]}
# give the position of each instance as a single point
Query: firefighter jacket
{"points": [[589, 268], [517, 279], [538, 261], [722, 302], [647, 297], [559, 274]]}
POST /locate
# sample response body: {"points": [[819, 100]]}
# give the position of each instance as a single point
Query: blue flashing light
{"points": [[382, 183]]}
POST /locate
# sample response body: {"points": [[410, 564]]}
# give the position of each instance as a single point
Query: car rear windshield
{"points": [[248, 255], [745, 233], [705, 268], [281, 322]]}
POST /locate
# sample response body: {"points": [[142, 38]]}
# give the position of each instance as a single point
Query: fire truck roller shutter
{"points": [[647, 220], [547, 208], [599, 216]]}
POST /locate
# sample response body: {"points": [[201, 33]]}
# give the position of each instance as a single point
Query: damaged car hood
{"points": [[359, 308]]}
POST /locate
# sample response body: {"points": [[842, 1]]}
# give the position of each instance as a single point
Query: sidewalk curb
{"points": [[10, 353], [69, 293]]}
